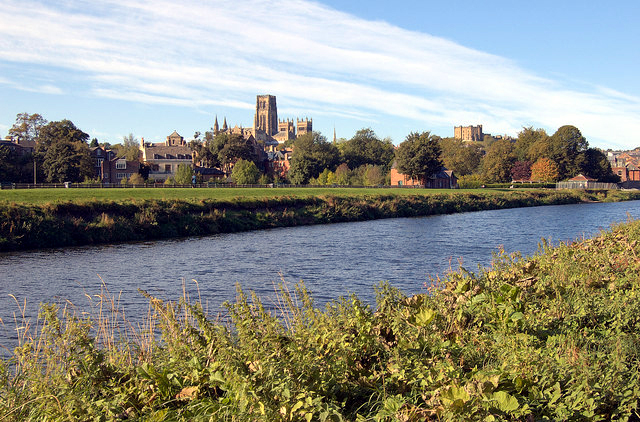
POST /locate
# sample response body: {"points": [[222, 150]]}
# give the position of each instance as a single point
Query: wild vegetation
{"points": [[55, 224], [551, 337]]}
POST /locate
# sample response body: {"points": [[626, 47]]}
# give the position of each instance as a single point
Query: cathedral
{"points": [[266, 126]]}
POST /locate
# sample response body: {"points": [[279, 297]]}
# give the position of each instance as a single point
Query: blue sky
{"points": [[147, 67]]}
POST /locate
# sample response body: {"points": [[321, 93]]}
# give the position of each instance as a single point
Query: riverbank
{"points": [[86, 222], [552, 337]]}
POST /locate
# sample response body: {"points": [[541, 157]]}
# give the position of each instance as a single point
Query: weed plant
{"points": [[552, 337]]}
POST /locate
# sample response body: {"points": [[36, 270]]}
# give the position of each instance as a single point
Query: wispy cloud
{"points": [[223, 52]]}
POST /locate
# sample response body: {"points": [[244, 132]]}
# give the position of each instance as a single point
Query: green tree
{"points": [[130, 148], [419, 155], [366, 148], [497, 163], [342, 174], [527, 137], [373, 175], [184, 173], [27, 127], [63, 152], [463, 158], [245, 172], [594, 163], [311, 155], [232, 148], [15, 167], [568, 146]]}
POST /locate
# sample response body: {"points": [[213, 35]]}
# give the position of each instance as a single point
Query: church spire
{"points": [[216, 128], [224, 124]]}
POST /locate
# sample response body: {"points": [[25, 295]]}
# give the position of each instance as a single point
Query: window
{"points": [[167, 168], [121, 175], [121, 164], [99, 162]]}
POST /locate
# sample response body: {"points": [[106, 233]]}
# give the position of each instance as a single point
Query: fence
{"points": [[198, 185], [587, 185]]}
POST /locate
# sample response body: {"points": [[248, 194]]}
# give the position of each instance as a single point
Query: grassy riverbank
{"points": [[35, 224], [552, 337]]}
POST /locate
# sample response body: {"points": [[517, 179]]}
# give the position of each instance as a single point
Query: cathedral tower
{"points": [[266, 118]]}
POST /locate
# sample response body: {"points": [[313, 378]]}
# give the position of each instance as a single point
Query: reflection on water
{"points": [[333, 260]]}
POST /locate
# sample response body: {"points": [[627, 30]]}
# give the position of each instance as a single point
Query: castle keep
{"points": [[468, 133]]}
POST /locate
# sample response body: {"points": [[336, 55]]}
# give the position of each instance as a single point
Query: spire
{"points": [[216, 128], [224, 124], [334, 134]]}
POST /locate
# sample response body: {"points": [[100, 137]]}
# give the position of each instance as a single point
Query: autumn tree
{"points": [[521, 170], [545, 170], [497, 163], [419, 155], [63, 152]]}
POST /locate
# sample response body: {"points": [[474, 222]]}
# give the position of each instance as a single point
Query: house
{"points": [[279, 162], [208, 174], [443, 179], [163, 159]]}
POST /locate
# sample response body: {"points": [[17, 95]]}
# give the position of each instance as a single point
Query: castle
{"points": [[468, 133]]}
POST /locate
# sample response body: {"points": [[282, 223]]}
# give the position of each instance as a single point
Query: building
{"points": [[266, 117], [443, 179], [163, 159], [468, 133], [110, 168]]}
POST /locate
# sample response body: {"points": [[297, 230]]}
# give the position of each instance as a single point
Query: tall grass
{"points": [[552, 337]]}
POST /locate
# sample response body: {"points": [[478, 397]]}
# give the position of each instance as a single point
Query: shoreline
{"points": [[62, 224]]}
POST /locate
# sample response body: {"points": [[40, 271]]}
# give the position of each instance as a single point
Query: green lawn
{"points": [[39, 196]]}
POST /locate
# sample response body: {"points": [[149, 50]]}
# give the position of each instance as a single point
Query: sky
{"points": [[149, 67]]}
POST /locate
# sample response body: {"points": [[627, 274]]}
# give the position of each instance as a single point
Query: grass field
{"points": [[41, 196]]}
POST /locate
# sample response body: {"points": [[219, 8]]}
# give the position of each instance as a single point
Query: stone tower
{"points": [[304, 126], [266, 118]]}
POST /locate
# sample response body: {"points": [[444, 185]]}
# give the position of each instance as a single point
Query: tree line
{"points": [[62, 153]]}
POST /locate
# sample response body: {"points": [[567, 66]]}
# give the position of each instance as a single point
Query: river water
{"points": [[333, 260]]}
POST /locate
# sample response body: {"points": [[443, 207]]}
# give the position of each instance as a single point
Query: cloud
{"points": [[221, 52]]}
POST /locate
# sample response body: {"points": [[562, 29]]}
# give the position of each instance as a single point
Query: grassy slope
{"points": [[43, 196], [71, 217], [554, 337]]}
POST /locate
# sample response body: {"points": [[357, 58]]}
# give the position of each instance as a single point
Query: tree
{"points": [[15, 167], [130, 148], [27, 127], [497, 164], [527, 137], [184, 173], [419, 155], [459, 156], [311, 155], [342, 174], [567, 145], [544, 170], [521, 170], [366, 148], [245, 172], [373, 175], [594, 163], [136, 179], [234, 148], [63, 152]]}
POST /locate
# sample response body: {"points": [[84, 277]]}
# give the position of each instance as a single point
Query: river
{"points": [[333, 260]]}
